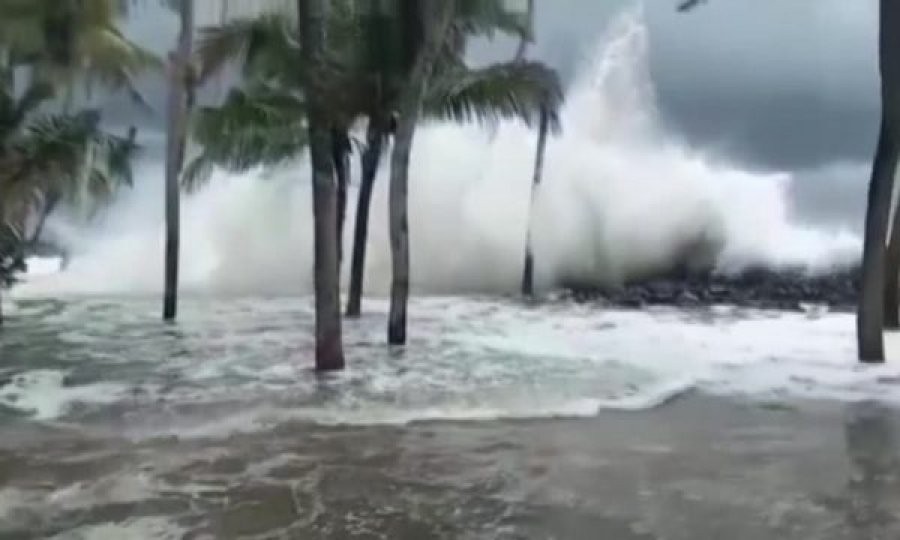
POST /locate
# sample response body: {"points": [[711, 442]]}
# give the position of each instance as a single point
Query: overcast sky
{"points": [[773, 84]]}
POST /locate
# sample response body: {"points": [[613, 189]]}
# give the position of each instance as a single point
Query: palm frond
{"points": [[261, 43], [503, 91], [13, 113], [197, 173], [113, 60], [71, 155], [37, 94], [261, 127]]}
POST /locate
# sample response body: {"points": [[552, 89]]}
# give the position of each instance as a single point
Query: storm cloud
{"points": [[786, 85]]}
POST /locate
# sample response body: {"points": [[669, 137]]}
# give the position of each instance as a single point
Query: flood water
{"points": [[500, 420]]}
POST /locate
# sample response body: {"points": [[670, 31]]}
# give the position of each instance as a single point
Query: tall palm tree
{"points": [[329, 347], [181, 90], [436, 18], [528, 269], [870, 313]]}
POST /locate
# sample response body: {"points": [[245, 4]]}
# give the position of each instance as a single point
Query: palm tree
{"points": [[329, 347], [67, 44], [181, 88], [870, 313], [249, 130], [528, 269], [47, 157], [70, 42], [436, 19], [46, 153]]}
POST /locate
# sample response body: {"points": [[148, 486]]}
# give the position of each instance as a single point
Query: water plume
{"points": [[621, 198]]}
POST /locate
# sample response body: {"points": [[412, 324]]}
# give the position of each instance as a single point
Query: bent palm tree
{"points": [[43, 155]]}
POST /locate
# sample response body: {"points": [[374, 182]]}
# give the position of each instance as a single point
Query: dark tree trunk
{"points": [[870, 314], [371, 158], [49, 206], [892, 277], [528, 271], [181, 87], [329, 346], [340, 154], [437, 16]]}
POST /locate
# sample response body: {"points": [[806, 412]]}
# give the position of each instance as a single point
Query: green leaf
{"points": [[517, 90], [261, 127]]}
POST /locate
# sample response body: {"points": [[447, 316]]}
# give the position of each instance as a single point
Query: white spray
{"points": [[620, 198]]}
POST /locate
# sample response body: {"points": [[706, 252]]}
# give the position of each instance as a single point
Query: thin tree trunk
{"points": [[340, 154], [49, 206], [329, 348], [370, 160], [180, 89], [7, 72], [870, 314], [528, 271], [437, 18], [528, 36], [892, 277], [891, 301]]}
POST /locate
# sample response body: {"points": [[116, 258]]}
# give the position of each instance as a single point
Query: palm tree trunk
{"points": [[527, 37], [528, 272], [340, 154], [370, 160], [7, 73], [329, 348], [891, 93], [870, 314], [49, 206], [437, 18], [180, 88], [892, 276]]}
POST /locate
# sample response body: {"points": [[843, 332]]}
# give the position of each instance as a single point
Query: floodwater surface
{"points": [[499, 420]]}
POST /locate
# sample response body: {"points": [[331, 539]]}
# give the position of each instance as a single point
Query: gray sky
{"points": [[773, 84]]}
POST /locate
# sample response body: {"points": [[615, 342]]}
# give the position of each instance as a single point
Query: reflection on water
{"points": [[873, 490]]}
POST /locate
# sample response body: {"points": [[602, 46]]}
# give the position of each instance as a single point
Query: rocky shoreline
{"points": [[790, 290]]}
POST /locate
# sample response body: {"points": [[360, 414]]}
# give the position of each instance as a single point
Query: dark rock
{"points": [[754, 288]]}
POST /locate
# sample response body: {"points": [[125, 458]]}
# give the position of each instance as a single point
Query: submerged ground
{"points": [[500, 420]]}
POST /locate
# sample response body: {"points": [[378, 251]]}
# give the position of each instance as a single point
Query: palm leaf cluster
{"points": [[255, 127], [69, 42], [366, 80], [65, 154], [48, 155]]}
